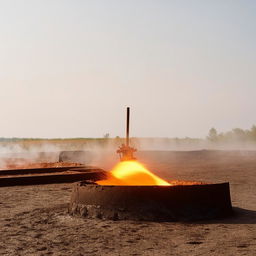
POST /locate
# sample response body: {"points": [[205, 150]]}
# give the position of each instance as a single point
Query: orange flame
{"points": [[132, 173]]}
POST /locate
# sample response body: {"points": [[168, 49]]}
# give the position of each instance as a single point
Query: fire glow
{"points": [[132, 173]]}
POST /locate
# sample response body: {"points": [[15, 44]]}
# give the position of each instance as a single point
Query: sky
{"points": [[69, 68]]}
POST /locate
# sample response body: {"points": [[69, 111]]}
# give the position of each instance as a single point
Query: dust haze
{"points": [[102, 152]]}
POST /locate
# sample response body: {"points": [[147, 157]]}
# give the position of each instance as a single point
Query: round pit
{"points": [[151, 203]]}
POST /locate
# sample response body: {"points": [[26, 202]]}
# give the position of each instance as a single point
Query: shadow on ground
{"points": [[240, 216]]}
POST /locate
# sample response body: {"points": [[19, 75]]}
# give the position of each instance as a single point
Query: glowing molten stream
{"points": [[132, 173]]}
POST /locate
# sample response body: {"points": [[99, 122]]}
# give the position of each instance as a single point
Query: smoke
{"points": [[16, 153], [92, 152], [101, 152], [190, 144]]}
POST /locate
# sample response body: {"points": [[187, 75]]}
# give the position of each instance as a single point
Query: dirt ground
{"points": [[34, 219]]}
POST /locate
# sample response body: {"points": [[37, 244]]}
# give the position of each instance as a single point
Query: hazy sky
{"points": [[69, 68]]}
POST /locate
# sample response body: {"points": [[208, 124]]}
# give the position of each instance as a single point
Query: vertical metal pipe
{"points": [[127, 125]]}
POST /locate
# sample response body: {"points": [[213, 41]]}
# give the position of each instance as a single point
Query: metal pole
{"points": [[127, 126]]}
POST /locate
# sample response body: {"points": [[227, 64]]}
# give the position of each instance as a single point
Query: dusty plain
{"points": [[34, 219]]}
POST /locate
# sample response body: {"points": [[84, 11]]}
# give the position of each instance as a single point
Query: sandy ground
{"points": [[34, 219]]}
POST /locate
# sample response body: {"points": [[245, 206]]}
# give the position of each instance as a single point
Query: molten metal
{"points": [[129, 171], [132, 173]]}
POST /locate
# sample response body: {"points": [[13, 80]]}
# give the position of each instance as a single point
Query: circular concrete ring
{"points": [[156, 203]]}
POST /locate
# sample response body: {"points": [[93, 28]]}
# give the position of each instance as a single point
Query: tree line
{"points": [[237, 135]]}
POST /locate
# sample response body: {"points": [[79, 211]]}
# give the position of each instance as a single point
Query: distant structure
{"points": [[125, 151]]}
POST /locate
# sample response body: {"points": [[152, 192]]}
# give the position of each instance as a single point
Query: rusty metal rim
{"points": [[66, 176], [38, 170], [151, 202]]}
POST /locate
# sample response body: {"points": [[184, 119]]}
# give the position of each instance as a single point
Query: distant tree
{"points": [[212, 135], [252, 133], [106, 136], [239, 134]]}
